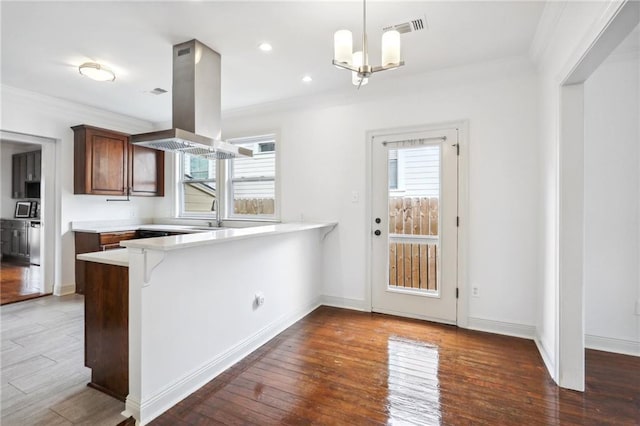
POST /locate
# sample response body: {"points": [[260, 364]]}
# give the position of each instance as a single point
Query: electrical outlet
{"points": [[355, 196], [475, 291]]}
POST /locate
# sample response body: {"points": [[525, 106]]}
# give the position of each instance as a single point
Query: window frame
{"points": [[229, 181], [181, 181], [223, 183]]}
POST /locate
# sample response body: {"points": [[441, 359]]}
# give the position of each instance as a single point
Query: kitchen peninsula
{"points": [[198, 303]]}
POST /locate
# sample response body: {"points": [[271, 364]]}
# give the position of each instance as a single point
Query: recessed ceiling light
{"points": [[96, 71], [307, 79], [265, 47]]}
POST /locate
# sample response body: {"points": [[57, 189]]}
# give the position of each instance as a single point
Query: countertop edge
{"points": [[117, 257], [178, 242]]}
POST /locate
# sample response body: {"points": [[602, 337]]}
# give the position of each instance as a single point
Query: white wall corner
{"points": [[546, 358], [608, 344], [500, 327], [345, 303], [545, 30]]}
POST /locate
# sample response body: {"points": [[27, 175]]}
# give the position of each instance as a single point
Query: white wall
{"points": [[323, 152], [199, 308], [35, 114], [611, 204]]}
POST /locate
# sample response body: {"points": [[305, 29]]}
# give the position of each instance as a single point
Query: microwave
{"points": [[26, 209]]}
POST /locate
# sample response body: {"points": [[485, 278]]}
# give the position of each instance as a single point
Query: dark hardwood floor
{"points": [[19, 281], [344, 367]]}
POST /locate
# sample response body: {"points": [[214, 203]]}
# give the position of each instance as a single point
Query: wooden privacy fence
{"points": [[254, 206], [413, 243]]}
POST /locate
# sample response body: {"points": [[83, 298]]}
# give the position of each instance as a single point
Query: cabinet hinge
{"points": [[457, 292]]}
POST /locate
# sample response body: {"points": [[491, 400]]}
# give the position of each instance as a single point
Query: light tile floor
{"points": [[42, 368]]}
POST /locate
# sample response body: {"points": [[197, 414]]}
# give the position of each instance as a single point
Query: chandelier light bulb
{"points": [[343, 46], [357, 62], [390, 48]]}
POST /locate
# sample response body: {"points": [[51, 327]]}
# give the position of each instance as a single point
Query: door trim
{"points": [[51, 249], [462, 311]]}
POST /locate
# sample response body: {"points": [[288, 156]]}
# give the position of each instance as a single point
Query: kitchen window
{"points": [[252, 181], [247, 186], [197, 186]]}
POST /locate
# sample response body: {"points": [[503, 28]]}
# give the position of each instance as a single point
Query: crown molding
{"points": [[546, 30], [70, 110]]}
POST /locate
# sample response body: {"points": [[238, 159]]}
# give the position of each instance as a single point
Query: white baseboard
{"points": [[131, 408], [608, 344], [500, 327], [546, 358], [342, 302], [152, 407], [65, 290]]}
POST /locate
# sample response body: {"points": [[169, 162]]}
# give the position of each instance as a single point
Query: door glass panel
{"points": [[414, 213]]}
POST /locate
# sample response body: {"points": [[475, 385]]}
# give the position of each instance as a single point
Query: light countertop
{"points": [[177, 242], [117, 257]]}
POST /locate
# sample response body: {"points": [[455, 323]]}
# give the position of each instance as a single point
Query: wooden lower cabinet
{"points": [[89, 242], [106, 328]]}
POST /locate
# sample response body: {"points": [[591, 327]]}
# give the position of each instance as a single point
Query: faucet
{"points": [[214, 207]]}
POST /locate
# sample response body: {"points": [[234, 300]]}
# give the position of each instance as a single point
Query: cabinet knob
{"points": [[377, 232]]}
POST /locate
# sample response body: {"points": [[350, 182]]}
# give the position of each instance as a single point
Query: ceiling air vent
{"points": [[409, 26], [158, 91]]}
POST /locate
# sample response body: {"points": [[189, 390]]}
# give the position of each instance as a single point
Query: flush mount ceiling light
{"points": [[265, 47], [358, 62], [96, 71], [307, 79]]}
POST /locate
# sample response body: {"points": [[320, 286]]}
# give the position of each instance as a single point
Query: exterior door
{"points": [[414, 214]]}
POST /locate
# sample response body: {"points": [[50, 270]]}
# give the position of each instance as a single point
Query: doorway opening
{"points": [[572, 232], [28, 212]]}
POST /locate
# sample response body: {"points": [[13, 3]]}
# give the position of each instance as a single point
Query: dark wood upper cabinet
{"points": [[100, 161], [107, 164], [25, 168]]}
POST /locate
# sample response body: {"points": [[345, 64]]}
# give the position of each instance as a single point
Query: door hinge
{"points": [[457, 292], [457, 221], [457, 149]]}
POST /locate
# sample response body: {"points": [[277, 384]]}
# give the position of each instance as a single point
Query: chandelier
{"points": [[358, 62]]}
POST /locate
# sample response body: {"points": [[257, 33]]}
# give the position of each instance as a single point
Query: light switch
{"points": [[355, 196]]}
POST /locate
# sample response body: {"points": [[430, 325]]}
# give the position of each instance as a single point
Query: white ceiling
{"points": [[44, 42]]}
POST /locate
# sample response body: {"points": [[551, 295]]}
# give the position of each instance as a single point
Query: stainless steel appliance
{"points": [[34, 242], [196, 98]]}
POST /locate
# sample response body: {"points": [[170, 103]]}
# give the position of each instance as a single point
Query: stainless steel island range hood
{"points": [[196, 107]]}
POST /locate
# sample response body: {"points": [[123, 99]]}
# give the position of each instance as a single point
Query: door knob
{"points": [[377, 232], [378, 220]]}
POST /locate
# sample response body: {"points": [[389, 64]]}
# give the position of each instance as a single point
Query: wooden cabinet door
{"points": [[100, 161], [108, 163], [18, 175], [31, 166], [146, 171], [5, 236], [37, 166]]}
